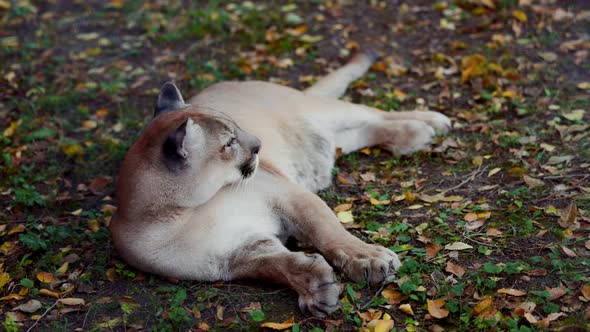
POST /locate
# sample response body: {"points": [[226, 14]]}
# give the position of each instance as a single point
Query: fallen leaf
{"points": [[345, 217], [4, 278], [532, 182], [494, 171], [574, 115], [584, 86], [458, 246], [567, 251], [471, 216], [432, 249], [485, 305], [435, 308], [557, 292], [277, 326], [519, 15], [49, 293], [98, 184], [548, 56], [511, 291], [46, 277], [407, 309], [393, 296], [455, 269], [524, 308], [586, 292], [342, 207], [11, 297], [30, 307], [568, 215], [72, 301]]}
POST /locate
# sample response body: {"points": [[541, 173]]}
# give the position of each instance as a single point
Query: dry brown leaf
{"points": [[72, 301], [432, 249], [511, 291], [30, 307], [471, 216], [455, 269], [342, 207], [532, 182], [46, 277], [557, 292], [525, 307], [568, 215], [436, 308], [567, 251], [98, 184], [586, 292]]}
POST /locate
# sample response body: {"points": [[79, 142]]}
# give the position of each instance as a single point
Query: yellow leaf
{"points": [[375, 201], [383, 325], [11, 129], [435, 308], [407, 309], [46, 277], [511, 291], [519, 15], [345, 217], [494, 171], [478, 160], [94, 225], [117, 3], [484, 305], [47, 292], [90, 124], [11, 297], [399, 94], [583, 86], [4, 278], [415, 207], [71, 149], [63, 268], [280, 326]]}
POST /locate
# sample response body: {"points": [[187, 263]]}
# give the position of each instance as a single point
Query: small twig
{"points": [[550, 177], [470, 178], [372, 298], [85, 317], [45, 313]]}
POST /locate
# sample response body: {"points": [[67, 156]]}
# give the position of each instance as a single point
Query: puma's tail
{"points": [[335, 83]]}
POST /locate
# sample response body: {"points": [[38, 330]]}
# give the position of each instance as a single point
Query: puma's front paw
{"points": [[440, 122], [371, 263], [407, 136], [318, 289]]}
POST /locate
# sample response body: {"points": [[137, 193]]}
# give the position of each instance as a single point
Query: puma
{"points": [[213, 188]]}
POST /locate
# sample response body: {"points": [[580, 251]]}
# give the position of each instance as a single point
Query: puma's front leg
{"points": [[312, 221], [309, 275], [440, 122]]}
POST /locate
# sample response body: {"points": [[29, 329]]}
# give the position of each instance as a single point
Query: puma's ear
{"points": [[169, 99], [174, 147]]}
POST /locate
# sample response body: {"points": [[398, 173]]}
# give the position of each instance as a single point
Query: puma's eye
{"points": [[230, 143]]}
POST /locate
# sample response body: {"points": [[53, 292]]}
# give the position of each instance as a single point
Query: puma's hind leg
{"points": [[308, 274]]}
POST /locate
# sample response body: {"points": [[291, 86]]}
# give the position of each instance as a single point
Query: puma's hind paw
{"points": [[407, 136]]}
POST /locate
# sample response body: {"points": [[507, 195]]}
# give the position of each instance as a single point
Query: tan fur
{"points": [[190, 207]]}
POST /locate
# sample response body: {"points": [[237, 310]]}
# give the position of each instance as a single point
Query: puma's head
{"points": [[184, 156]]}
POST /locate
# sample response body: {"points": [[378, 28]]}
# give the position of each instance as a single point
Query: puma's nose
{"points": [[255, 149]]}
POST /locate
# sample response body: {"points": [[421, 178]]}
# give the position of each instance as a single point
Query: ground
{"points": [[492, 223]]}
